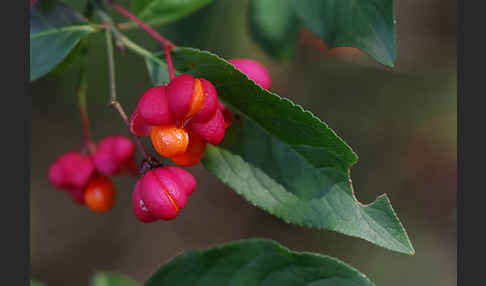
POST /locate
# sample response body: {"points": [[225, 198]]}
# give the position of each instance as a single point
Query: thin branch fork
{"points": [[144, 26], [166, 44]]}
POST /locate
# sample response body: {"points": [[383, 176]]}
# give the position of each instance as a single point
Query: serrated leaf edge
{"points": [[408, 247], [270, 242]]}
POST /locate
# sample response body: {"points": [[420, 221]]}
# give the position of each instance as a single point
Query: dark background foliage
{"points": [[401, 122]]}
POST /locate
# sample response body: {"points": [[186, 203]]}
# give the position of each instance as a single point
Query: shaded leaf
{"points": [[139, 5], [158, 12], [274, 25], [255, 262], [366, 24], [286, 161], [54, 32], [72, 58]]}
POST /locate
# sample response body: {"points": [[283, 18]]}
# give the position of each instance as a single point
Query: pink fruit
{"points": [[114, 154], [77, 195], [153, 106], [57, 175], [185, 179], [138, 126], [254, 70], [71, 171], [210, 102], [228, 116], [164, 193], [191, 97], [179, 95], [131, 167], [106, 163], [212, 130], [139, 208]]}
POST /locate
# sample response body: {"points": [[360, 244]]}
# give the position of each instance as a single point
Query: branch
{"points": [[113, 100], [111, 66], [166, 44], [144, 26]]}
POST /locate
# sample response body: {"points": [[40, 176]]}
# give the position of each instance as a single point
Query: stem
{"points": [[113, 100], [166, 44], [124, 116], [126, 26], [108, 24], [120, 46], [129, 44], [83, 110], [111, 66], [131, 25], [144, 26]]}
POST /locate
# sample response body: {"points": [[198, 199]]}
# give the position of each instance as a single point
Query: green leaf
{"points": [[79, 51], [112, 279], [139, 5], [54, 32], [255, 262], [286, 161], [36, 283], [365, 24], [158, 12], [274, 25]]}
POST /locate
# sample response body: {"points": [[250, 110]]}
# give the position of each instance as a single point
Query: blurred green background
{"points": [[401, 122]]}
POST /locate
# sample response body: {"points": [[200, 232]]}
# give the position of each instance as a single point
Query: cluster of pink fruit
{"points": [[83, 174], [180, 117]]}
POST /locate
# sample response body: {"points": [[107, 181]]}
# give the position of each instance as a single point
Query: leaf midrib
{"points": [[66, 29], [361, 207], [403, 245]]}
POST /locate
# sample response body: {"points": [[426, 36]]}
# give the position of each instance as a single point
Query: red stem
{"points": [[87, 141], [144, 26], [166, 44], [169, 62], [83, 110], [32, 3], [86, 130]]}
